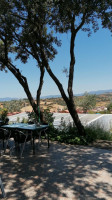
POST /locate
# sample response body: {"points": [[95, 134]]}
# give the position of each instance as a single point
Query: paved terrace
{"points": [[62, 172]]}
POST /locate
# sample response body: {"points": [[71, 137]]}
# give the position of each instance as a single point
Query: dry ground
{"points": [[62, 172], [103, 144]]}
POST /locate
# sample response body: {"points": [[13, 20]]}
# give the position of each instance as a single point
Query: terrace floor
{"points": [[62, 172]]}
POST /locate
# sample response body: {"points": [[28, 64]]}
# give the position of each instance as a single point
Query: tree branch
{"points": [[81, 24], [72, 61], [59, 85], [42, 70], [23, 81]]}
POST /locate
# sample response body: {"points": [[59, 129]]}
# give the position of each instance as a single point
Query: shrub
{"points": [[97, 133], [47, 116], [3, 114], [24, 120], [69, 134]]}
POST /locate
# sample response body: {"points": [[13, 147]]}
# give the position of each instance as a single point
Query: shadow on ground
{"points": [[60, 172]]}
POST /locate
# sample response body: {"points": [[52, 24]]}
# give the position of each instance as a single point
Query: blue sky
{"points": [[93, 69]]}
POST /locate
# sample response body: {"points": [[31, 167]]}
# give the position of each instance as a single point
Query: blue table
{"points": [[33, 128]]}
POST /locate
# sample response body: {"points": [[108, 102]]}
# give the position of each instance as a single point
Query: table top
{"points": [[23, 126]]}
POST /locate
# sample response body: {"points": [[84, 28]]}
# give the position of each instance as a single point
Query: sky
{"points": [[93, 69]]}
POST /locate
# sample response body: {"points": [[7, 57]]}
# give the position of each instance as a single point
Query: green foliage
{"points": [[3, 114], [97, 133], [91, 112], [15, 105], [18, 120], [24, 120], [33, 117], [69, 134], [104, 112], [109, 107], [48, 117], [88, 102]]}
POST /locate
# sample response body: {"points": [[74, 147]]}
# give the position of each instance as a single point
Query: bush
{"points": [[47, 116], [97, 133], [3, 114], [65, 134], [69, 134], [24, 120]]}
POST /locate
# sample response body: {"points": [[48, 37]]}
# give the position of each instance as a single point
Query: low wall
{"points": [[105, 122]]}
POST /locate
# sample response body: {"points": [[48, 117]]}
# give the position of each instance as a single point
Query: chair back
{"points": [[4, 134], [19, 136]]}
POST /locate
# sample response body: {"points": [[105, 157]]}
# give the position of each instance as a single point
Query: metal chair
{"points": [[2, 188], [1, 183], [20, 138], [4, 137], [45, 134]]}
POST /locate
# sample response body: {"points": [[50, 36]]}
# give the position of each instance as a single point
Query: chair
{"points": [[4, 136], [30, 122], [44, 133], [2, 186], [1, 183], [20, 138]]}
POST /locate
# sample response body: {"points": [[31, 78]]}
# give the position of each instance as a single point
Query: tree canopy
{"points": [[88, 102]]}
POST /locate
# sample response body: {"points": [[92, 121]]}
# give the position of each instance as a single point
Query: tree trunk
{"points": [[75, 117], [69, 101], [23, 81]]}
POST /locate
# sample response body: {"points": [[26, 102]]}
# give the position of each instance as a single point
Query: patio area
{"points": [[62, 172]]}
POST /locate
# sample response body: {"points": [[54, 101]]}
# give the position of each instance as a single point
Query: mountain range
{"points": [[98, 92]]}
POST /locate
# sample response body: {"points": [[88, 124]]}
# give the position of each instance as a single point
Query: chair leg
{"points": [[7, 142], [11, 149], [3, 143], [40, 139], [23, 147], [2, 188]]}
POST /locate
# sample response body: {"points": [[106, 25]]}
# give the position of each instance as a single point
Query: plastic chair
{"points": [[20, 138]]}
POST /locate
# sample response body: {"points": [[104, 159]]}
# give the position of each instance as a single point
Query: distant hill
{"points": [[91, 92], [51, 96], [98, 92], [8, 99], [101, 92]]}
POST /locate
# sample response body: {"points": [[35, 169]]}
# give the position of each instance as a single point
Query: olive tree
{"points": [[88, 102]]}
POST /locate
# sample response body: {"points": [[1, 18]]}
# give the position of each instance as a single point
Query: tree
{"points": [[10, 43], [88, 102], [109, 107], [36, 21]]}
